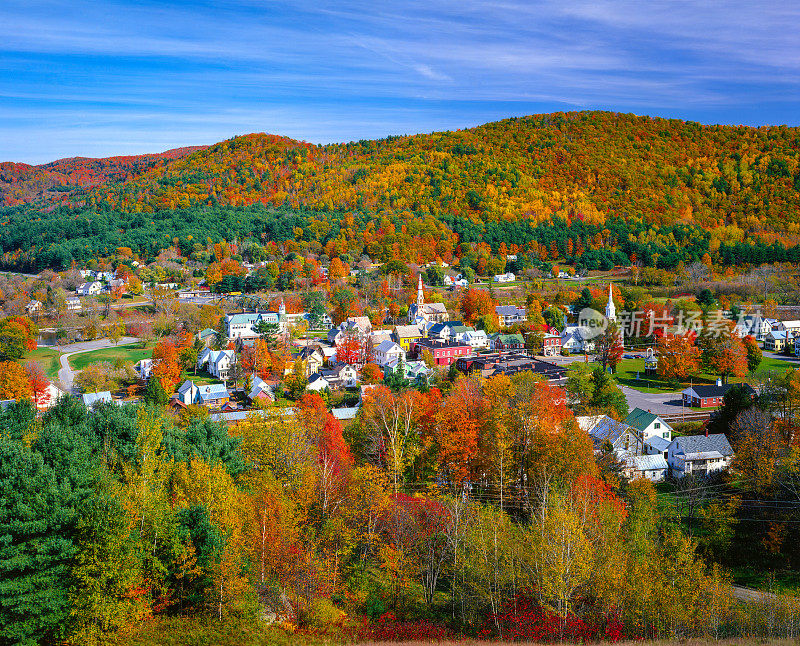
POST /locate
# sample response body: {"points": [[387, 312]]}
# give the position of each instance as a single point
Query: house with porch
{"points": [[388, 351], [551, 344], [476, 339], [699, 454], [509, 315], [573, 339], [217, 362], [777, 340]]}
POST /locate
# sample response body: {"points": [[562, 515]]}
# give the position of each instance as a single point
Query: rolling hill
{"points": [[588, 165], [665, 190], [58, 181]]}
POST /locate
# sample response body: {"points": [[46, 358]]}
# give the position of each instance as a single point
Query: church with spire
{"points": [[611, 310], [425, 314], [611, 314]]}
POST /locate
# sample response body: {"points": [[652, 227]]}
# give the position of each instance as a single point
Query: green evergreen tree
{"points": [[155, 393], [42, 492], [606, 396]]}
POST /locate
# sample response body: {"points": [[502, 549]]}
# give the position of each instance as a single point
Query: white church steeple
{"points": [[611, 310], [420, 297]]}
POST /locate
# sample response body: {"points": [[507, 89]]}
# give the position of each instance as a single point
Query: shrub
{"points": [[523, 619], [322, 614], [390, 629]]}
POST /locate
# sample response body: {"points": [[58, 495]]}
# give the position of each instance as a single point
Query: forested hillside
{"points": [[627, 188], [57, 181], [585, 165]]}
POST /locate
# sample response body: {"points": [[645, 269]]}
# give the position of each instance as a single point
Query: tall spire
{"points": [[611, 310], [420, 297]]}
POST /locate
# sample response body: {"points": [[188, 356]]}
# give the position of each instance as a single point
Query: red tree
{"points": [[39, 384]]}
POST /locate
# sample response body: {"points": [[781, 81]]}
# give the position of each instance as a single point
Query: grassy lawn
{"points": [[202, 378], [132, 353], [48, 358], [772, 364], [628, 368], [627, 371]]}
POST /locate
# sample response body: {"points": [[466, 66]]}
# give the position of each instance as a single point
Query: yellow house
{"points": [[776, 341], [407, 335]]}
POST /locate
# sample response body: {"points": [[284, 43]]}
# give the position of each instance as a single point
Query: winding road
{"points": [[67, 375]]}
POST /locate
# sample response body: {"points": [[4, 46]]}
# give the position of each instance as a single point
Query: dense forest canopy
{"points": [[644, 179]]}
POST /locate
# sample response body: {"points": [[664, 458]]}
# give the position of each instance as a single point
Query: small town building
{"points": [[777, 340], [699, 454], [652, 467], [509, 315], [407, 336], [503, 342], [551, 345], [443, 352], [387, 352], [705, 396], [90, 400]]}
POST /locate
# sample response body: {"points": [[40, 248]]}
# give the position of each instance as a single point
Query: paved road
{"points": [[658, 403], [748, 594], [67, 375]]}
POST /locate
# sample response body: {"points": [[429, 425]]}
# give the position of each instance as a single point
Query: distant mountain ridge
{"points": [[57, 181], [733, 180]]}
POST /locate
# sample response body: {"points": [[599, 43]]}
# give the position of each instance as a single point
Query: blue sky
{"points": [[106, 77]]}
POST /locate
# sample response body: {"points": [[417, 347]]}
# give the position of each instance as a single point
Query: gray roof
{"points": [[510, 310], [408, 332], [657, 443], [5, 403], [90, 399], [607, 428], [701, 444], [386, 346], [212, 391], [240, 415], [649, 462], [345, 413], [186, 386]]}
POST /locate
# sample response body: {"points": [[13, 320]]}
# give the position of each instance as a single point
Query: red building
{"points": [[551, 345], [444, 353]]}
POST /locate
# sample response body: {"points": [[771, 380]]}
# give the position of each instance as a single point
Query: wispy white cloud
{"points": [[325, 70]]}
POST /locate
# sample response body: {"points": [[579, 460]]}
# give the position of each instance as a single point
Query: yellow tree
{"points": [[14, 382], [392, 421], [561, 554], [497, 437], [212, 487]]}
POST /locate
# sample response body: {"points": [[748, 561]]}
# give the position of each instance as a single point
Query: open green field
{"points": [[132, 353], [773, 364], [48, 358], [628, 368]]}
